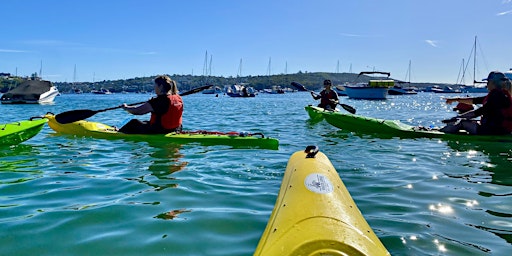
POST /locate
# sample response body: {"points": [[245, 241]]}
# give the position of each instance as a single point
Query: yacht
{"points": [[31, 92]]}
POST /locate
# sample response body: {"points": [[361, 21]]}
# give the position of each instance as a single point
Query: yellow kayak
{"points": [[99, 130], [315, 215]]}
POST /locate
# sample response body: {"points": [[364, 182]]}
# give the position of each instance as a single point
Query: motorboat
{"points": [[101, 91], [399, 90], [447, 89], [31, 92], [213, 90], [340, 89], [240, 90], [374, 89]]}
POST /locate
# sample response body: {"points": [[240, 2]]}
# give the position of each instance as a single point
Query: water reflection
{"points": [[18, 164], [499, 155], [167, 159], [496, 198]]}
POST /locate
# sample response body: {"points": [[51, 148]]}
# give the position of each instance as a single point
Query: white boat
{"points": [[240, 90], [404, 90], [508, 74], [31, 92], [101, 91], [446, 89], [375, 89], [399, 90]]}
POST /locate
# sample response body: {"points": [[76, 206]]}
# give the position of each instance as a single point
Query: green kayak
{"points": [[394, 128], [99, 130], [17, 132], [315, 113]]}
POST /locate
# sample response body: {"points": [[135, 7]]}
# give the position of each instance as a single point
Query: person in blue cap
{"points": [[495, 112], [328, 97]]}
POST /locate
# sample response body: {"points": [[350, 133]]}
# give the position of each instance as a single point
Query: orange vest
{"points": [[173, 117]]}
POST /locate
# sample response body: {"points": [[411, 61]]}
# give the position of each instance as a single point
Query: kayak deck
{"points": [[17, 132], [315, 113], [99, 130], [394, 128], [314, 213]]}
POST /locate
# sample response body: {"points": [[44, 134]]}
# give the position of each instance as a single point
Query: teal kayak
{"points": [[17, 132], [103, 131], [393, 128]]}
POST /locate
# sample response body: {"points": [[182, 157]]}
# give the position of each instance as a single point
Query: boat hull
{"points": [[393, 128], [314, 214], [99, 130], [366, 92], [31, 92], [17, 132]]}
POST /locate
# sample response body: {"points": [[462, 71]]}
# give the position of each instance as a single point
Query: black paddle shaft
{"points": [[81, 114]]}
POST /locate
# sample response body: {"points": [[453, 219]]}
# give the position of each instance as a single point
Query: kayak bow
{"points": [[315, 113], [314, 213], [17, 132]]}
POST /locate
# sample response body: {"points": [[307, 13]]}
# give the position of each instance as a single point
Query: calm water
{"points": [[80, 196]]}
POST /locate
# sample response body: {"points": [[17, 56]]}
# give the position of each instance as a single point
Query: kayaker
{"points": [[496, 111], [328, 97], [166, 110]]}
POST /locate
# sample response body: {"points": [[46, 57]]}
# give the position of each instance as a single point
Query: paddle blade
{"points": [[299, 87], [74, 115], [348, 108]]}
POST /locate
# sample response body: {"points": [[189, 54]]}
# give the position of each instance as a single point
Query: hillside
{"points": [[312, 81]]}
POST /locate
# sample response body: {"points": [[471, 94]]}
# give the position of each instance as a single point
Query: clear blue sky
{"points": [[108, 39]]}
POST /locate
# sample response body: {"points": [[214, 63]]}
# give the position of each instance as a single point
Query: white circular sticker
{"points": [[318, 183]]}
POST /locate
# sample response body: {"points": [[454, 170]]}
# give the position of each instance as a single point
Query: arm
{"points": [[460, 100], [138, 110], [315, 96]]}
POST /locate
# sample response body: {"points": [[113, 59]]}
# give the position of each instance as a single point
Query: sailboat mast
{"points": [[409, 72], [41, 70], [474, 64]]}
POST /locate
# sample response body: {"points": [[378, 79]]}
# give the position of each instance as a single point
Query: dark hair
{"points": [[327, 82], [167, 83]]}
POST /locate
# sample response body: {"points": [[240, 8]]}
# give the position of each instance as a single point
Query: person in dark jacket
{"points": [[328, 97], [495, 112]]}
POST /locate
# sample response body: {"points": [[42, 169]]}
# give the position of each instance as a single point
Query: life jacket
{"points": [[505, 112], [326, 97], [173, 117]]}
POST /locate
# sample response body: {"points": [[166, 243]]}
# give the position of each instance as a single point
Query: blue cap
{"points": [[495, 76]]}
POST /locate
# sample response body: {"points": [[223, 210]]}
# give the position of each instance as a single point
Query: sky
{"points": [[123, 39]]}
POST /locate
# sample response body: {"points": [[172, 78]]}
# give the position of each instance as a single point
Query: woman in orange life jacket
{"points": [[328, 97], [166, 110], [496, 111]]}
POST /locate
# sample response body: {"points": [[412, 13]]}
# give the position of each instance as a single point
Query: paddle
{"points": [[81, 114], [302, 88]]}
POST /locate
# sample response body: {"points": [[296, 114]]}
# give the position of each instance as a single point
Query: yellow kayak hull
{"points": [[315, 215], [99, 130]]}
